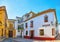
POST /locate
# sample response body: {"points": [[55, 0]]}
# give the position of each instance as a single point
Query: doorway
{"points": [[10, 33], [31, 34]]}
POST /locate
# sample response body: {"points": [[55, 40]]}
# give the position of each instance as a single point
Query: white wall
{"points": [[16, 24], [25, 17], [38, 22], [59, 28], [16, 27]]}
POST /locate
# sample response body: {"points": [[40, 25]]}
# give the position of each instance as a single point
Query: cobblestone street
{"points": [[16, 40], [26, 40], [32, 40], [8, 40]]}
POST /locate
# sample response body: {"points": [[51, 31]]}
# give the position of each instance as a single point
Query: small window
{"points": [[27, 15], [26, 25], [2, 32], [53, 31], [18, 21], [45, 18], [41, 32], [26, 32], [5, 24], [18, 28], [31, 24], [0, 23]]}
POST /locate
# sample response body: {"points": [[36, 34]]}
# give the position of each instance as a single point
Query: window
{"points": [[45, 18], [31, 24], [53, 31], [0, 23], [6, 24], [2, 32], [26, 25], [18, 21], [41, 31], [18, 28], [27, 15], [26, 32]]}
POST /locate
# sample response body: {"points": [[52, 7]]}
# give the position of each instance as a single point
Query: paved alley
{"points": [[26, 40]]}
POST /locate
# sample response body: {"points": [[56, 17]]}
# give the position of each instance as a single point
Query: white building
{"points": [[59, 28], [40, 26], [19, 26]]}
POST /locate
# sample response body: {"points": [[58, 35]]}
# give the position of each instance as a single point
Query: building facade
{"points": [[11, 31], [41, 26], [3, 21], [19, 26], [58, 28]]}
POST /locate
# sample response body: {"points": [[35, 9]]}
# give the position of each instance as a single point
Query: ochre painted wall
{"points": [[14, 33], [3, 20], [10, 28], [5, 24]]}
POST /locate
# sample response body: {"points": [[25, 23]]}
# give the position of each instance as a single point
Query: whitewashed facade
{"points": [[59, 28], [18, 25], [39, 24]]}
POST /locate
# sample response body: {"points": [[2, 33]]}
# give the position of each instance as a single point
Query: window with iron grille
{"points": [[0, 23], [41, 32], [19, 28], [26, 25], [18, 21], [45, 18], [53, 31], [31, 23]]}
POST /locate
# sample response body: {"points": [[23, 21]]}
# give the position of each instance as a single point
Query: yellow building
{"points": [[6, 25], [10, 31], [3, 21]]}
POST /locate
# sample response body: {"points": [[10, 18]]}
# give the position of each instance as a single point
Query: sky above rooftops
{"points": [[21, 7]]}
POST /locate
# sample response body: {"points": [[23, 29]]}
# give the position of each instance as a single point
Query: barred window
{"points": [[31, 24], [53, 31], [26, 25], [41, 31], [0, 23], [45, 18]]}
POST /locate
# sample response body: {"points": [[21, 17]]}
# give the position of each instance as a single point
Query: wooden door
{"points": [[10, 33], [31, 34]]}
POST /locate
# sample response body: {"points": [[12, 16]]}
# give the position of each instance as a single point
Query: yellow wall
{"points": [[11, 24], [6, 24], [10, 28], [14, 33], [3, 19], [7, 33]]}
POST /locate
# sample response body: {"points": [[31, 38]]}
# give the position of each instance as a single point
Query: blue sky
{"points": [[21, 7]]}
